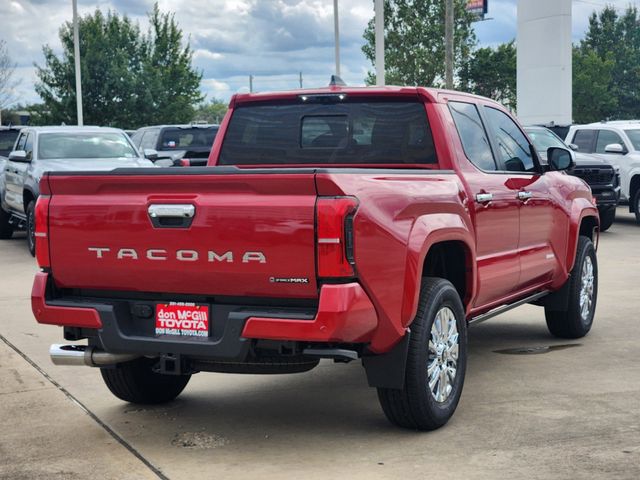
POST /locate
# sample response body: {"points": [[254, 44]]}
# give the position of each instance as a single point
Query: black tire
{"points": [[136, 382], [571, 323], [415, 406], [31, 227], [636, 205], [6, 229], [607, 217]]}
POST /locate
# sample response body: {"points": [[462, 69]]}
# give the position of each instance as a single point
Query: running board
{"points": [[17, 221], [506, 308]]}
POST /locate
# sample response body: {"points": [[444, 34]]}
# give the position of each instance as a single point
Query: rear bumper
{"points": [[345, 314]]}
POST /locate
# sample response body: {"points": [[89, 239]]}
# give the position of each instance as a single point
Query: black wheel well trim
{"points": [[28, 195], [634, 185], [450, 260]]}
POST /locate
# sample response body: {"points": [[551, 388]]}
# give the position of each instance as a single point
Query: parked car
{"points": [[185, 145], [54, 149], [618, 143], [339, 223], [8, 137], [598, 173]]}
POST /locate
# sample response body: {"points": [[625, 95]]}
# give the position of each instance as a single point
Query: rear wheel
{"points": [[577, 319], [607, 217], [31, 227], [6, 229], [136, 382], [636, 205], [436, 361]]}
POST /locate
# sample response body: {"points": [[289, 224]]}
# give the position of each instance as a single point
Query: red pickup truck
{"points": [[340, 223]]}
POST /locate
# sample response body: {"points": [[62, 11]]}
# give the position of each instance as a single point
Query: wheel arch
{"points": [[440, 245], [634, 186], [587, 224]]}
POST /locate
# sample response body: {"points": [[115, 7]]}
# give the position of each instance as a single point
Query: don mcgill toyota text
{"points": [[352, 224]]}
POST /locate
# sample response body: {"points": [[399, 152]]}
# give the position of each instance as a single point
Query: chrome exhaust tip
{"points": [[78, 355]]}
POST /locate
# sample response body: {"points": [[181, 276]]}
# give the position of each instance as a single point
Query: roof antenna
{"points": [[336, 81]]}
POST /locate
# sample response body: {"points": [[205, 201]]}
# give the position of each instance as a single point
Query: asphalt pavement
{"points": [[532, 412]]}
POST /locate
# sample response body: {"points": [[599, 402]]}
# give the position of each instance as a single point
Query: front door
{"points": [[493, 206], [539, 250]]}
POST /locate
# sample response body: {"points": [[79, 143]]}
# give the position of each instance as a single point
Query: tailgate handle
{"points": [[171, 215]]}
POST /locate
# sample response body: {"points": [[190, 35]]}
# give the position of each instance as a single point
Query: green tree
{"points": [[592, 81], [211, 112], [607, 61], [129, 79], [414, 41], [491, 72]]}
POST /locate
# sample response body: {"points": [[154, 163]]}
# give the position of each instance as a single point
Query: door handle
{"points": [[484, 197], [524, 196], [171, 215]]}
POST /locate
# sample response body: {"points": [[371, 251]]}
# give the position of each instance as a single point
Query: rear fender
{"points": [[427, 231]]}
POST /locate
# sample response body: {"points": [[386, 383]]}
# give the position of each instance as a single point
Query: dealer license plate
{"points": [[182, 319]]}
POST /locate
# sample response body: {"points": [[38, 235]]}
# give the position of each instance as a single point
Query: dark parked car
{"points": [[597, 172], [186, 145]]}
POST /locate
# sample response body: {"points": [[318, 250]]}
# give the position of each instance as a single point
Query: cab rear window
{"points": [[345, 132]]}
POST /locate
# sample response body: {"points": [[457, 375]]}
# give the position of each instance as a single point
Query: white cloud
{"points": [[273, 40]]}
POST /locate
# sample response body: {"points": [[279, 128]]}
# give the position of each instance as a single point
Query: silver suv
{"points": [[618, 143]]}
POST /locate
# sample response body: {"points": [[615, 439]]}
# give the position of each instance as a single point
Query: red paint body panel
{"points": [[273, 215], [62, 316], [345, 314], [512, 248]]}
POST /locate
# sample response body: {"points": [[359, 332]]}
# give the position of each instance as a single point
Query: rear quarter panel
{"points": [[400, 215]]}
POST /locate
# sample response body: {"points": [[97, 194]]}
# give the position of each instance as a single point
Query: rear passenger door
{"points": [[493, 205], [540, 216]]}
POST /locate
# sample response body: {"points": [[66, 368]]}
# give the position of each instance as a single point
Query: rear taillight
{"points": [[335, 240], [185, 162], [42, 231]]}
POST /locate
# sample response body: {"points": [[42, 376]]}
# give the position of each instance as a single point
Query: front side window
{"points": [[472, 135], [28, 146], [607, 137], [514, 150], [355, 132], [634, 138], [84, 145]]}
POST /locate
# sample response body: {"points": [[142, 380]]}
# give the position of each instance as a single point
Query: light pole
{"points": [[76, 55], [336, 31], [448, 44], [379, 8]]}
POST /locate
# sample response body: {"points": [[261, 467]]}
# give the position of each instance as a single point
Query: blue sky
{"points": [[273, 40]]}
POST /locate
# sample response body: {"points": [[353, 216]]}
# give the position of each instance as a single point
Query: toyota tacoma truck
{"points": [[371, 224]]}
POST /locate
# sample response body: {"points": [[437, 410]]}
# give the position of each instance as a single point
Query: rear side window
{"points": [[188, 137], [583, 139], [473, 135], [7, 139], [607, 137], [349, 132]]}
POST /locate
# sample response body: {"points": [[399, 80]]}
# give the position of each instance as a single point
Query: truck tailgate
{"points": [[251, 234]]}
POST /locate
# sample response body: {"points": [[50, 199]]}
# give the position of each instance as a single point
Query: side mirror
{"points": [[150, 154], [19, 156], [615, 148], [559, 159], [573, 147]]}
